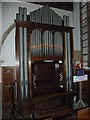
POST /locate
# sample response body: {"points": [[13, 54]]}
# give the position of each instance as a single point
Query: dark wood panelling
{"points": [[86, 88], [8, 77]]}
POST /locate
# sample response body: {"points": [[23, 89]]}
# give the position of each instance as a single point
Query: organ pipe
{"points": [[43, 43]]}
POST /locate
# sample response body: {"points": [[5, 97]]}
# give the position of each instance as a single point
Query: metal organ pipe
{"points": [[25, 55], [44, 43], [21, 54]]}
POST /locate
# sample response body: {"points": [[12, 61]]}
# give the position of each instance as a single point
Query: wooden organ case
{"points": [[44, 45]]}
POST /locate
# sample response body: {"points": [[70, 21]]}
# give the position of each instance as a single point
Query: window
{"points": [[84, 32]]}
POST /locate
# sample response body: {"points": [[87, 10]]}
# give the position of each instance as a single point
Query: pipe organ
{"points": [[44, 45]]}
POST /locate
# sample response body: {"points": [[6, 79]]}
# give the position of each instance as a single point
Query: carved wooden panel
{"points": [[8, 77], [48, 80]]}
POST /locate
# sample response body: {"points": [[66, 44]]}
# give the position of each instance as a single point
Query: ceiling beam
{"points": [[60, 5]]}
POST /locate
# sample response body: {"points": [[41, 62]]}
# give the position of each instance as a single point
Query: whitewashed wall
{"points": [[0, 23], [0, 57], [0, 18], [76, 21], [9, 10], [0, 33]]}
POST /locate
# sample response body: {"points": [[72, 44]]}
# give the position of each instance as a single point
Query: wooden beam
{"points": [[60, 5]]}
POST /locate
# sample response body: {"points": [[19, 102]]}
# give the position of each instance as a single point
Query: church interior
{"points": [[44, 60]]}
